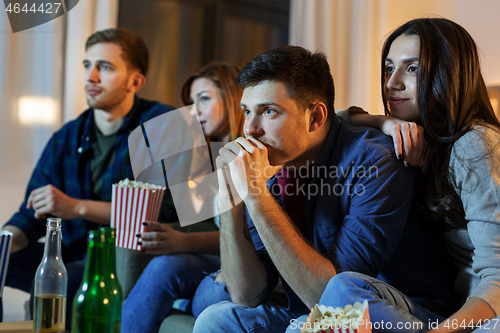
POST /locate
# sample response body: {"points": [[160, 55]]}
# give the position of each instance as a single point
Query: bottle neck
{"points": [[97, 256], [53, 242], [111, 251]]}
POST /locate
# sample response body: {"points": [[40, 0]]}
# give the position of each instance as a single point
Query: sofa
{"points": [[129, 267]]}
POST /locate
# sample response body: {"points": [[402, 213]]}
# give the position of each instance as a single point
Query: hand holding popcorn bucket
{"points": [[350, 319], [132, 203]]}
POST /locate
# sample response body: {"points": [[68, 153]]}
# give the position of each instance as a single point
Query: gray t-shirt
{"points": [[475, 165], [103, 155]]}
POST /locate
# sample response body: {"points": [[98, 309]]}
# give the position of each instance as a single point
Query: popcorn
{"points": [[132, 203], [350, 319], [132, 183]]}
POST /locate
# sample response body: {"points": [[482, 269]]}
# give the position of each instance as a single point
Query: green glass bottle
{"points": [[97, 305], [115, 285]]}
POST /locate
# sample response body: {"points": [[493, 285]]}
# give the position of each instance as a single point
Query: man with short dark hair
{"points": [[321, 195], [74, 176]]}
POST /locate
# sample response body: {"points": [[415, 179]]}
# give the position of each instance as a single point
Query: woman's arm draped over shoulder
{"points": [[408, 137]]}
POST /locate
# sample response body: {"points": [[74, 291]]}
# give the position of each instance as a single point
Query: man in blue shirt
{"points": [[320, 195], [74, 176]]}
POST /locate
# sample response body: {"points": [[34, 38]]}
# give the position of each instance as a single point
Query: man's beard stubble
{"points": [[111, 99]]}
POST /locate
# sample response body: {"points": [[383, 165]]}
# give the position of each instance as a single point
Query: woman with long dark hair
{"points": [[432, 85]]}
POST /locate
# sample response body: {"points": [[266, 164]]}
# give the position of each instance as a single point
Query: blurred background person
{"points": [[186, 257]]}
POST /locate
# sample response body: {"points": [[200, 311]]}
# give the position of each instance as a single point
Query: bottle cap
{"points": [[54, 222]]}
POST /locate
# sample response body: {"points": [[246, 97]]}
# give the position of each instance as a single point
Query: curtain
{"points": [[41, 88], [350, 33], [89, 16]]}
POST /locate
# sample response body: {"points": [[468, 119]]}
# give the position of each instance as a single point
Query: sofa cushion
{"points": [[177, 322], [131, 263]]}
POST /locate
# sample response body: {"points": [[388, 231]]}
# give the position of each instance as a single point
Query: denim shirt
{"points": [[357, 216], [65, 163]]}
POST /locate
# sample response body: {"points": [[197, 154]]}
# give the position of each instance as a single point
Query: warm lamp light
{"points": [[494, 104], [35, 110]]}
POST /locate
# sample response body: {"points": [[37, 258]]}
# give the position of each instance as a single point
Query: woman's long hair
{"points": [[452, 98], [223, 75]]}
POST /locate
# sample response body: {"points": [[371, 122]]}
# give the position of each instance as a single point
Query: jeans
{"points": [[389, 309], [22, 268], [165, 279], [226, 316], [209, 292]]}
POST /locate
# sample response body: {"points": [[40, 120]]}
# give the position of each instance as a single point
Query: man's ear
{"points": [[318, 116], [136, 82]]}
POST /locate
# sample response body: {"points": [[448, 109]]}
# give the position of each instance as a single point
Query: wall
{"points": [[28, 67], [351, 33], [32, 64], [481, 19]]}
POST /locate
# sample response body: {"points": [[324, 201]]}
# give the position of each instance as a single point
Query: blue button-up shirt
{"points": [[65, 163], [359, 214]]}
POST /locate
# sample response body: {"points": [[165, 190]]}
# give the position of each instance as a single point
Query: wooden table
{"points": [[17, 327]]}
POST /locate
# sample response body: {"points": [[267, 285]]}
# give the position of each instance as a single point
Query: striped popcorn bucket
{"points": [[5, 243], [130, 206]]}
